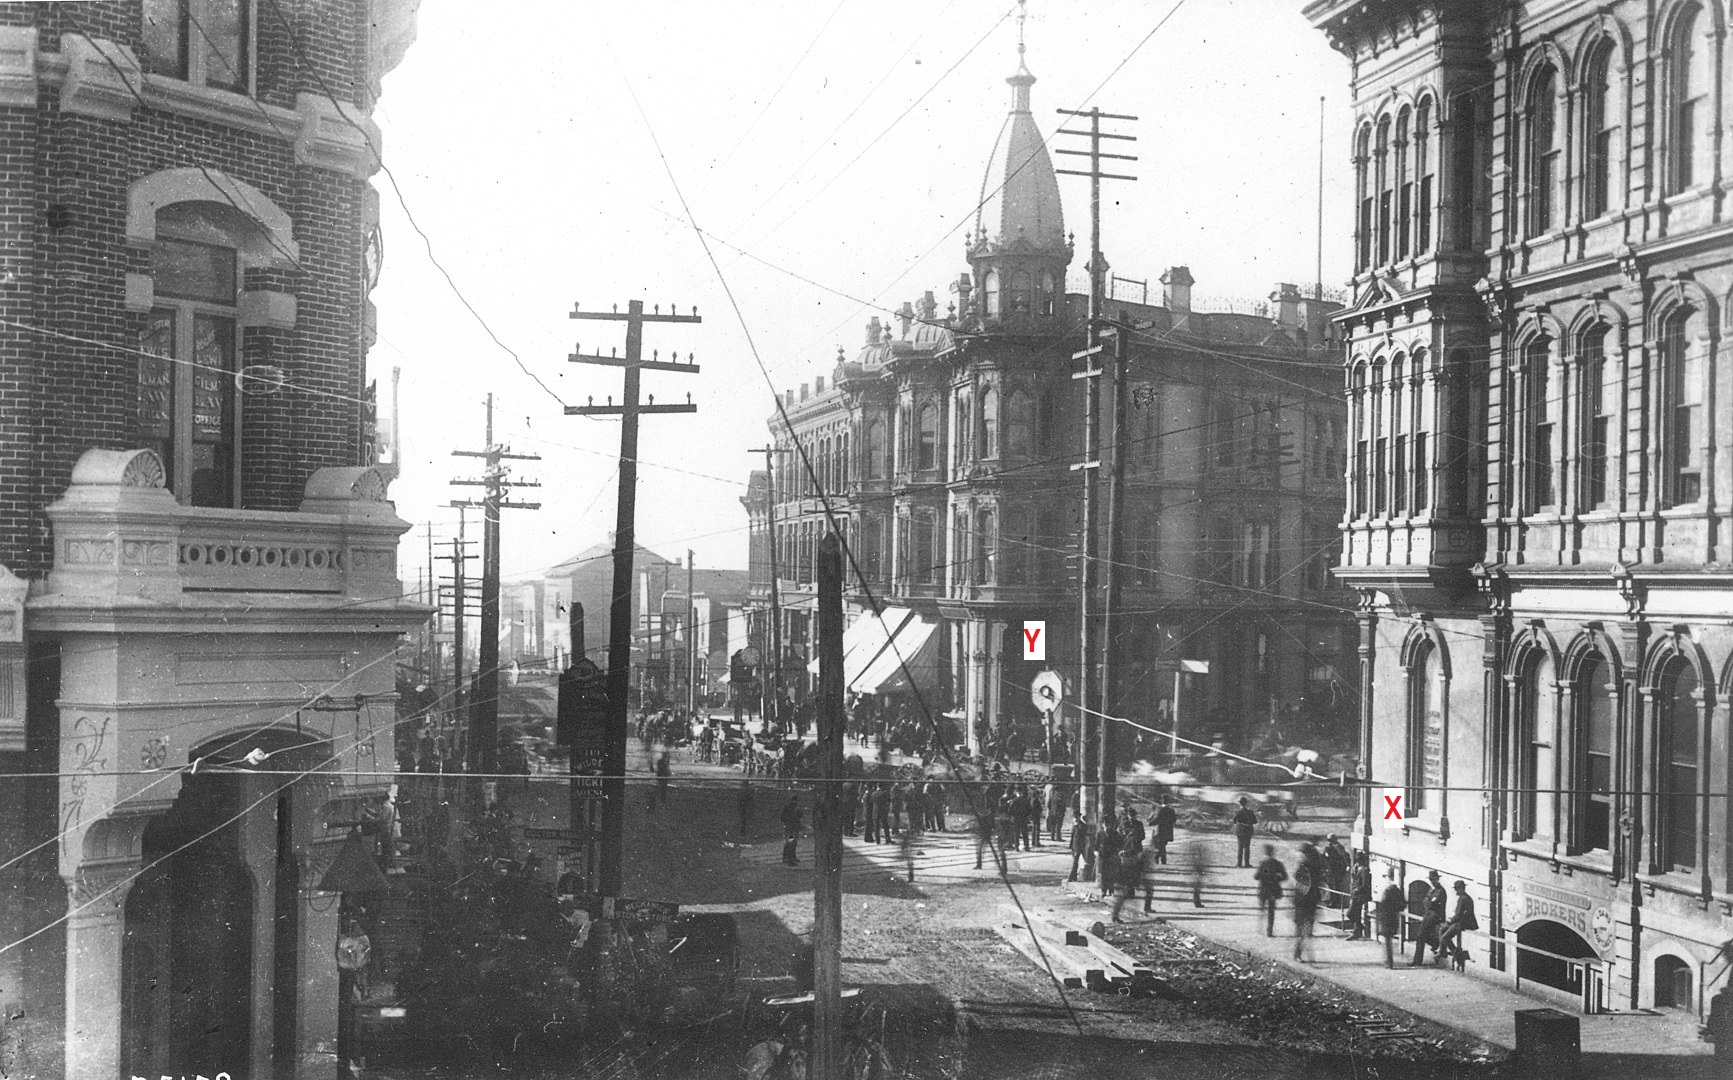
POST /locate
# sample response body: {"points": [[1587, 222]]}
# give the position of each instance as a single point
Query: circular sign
{"points": [[750, 655], [1047, 690], [1602, 931]]}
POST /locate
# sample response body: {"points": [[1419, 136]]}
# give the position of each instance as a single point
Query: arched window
{"points": [[1593, 703], [987, 431], [187, 409], [1682, 376], [842, 460], [1398, 437], [961, 563], [1363, 192], [1362, 441], [875, 461], [1676, 766], [1600, 130], [1380, 444], [1046, 422], [1049, 294], [1542, 151], [1673, 984], [1417, 423], [1386, 194], [1404, 184], [1598, 399], [1691, 66], [1423, 171], [986, 547], [1536, 773], [1015, 534], [961, 419], [1539, 408], [1019, 425], [990, 291], [927, 438], [1022, 303], [1426, 734]]}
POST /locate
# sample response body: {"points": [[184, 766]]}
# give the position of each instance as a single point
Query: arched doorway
{"points": [[188, 945], [1673, 984], [1550, 966]]}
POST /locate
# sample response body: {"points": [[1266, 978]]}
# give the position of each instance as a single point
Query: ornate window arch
{"points": [[1364, 194], [1425, 185], [1599, 394], [1593, 673], [1532, 673], [1543, 142], [1404, 182], [927, 437], [1539, 410], [1386, 184], [990, 292], [1678, 686], [1360, 409], [1689, 98], [1598, 81], [1019, 425], [1425, 660], [987, 425], [1683, 343], [875, 449]]}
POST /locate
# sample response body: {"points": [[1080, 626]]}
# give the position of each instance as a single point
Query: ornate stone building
{"points": [[947, 445], [1537, 508], [200, 611]]}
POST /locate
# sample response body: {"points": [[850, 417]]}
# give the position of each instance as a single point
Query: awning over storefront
{"points": [[876, 648], [914, 647]]}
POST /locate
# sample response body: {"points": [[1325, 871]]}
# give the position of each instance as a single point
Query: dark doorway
{"points": [[188, 946], [1673, 984], [1555, 940]]}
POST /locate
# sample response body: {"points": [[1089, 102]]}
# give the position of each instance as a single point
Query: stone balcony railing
{"points": [[120, 536]]}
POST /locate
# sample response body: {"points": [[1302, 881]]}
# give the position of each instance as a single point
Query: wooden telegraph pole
{"points": [[484, 710], [625, 546], [827, 820], [1096, 799], [773, 683]]}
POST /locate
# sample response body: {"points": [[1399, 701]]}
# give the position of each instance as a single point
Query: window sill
{"points": [[1540, 849], [1687, 883]]}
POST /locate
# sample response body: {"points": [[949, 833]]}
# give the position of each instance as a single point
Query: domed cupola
{"points": [[1018, 248]]}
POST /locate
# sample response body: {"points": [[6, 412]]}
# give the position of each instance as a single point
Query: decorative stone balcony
{"points": [[121, 540]]}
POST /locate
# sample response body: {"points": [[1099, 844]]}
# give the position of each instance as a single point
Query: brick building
{"points": [[946, 445], [1537, 362], [199, 559]]}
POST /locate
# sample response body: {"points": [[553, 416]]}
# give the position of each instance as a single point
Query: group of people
{"points": [[1332, 878]]}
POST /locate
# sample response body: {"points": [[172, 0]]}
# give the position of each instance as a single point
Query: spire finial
{"points": [[1022, 80], [1022, 14]]}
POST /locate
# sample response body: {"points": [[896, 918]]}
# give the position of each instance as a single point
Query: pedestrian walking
{"points": [[1269, 876], [935, 802], [1199, 858], [911, 838], [1130, 870], [917, 810], [664, 771], [1020, 819], [1245, 821], [1165, 818], [1432, 920], [850, 807], [986, 824], [1054, 800], [1037, 811], [1390, 908], [870, 811], [1107, 841], [791, 824], [1308, 891], [745, 810], [898, 803], [1336, 879], [1461, 918], [1359, 897], [884, 813], [1082, 848]]}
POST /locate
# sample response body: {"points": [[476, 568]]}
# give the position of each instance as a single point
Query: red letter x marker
{"points": [[1030, 636], [1391, 810]]}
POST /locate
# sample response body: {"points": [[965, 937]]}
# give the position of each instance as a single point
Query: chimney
{"points": [[1287, 300], [929, 306], [906, 315], [1176, 286], [818, 385], [787, 398], [965, 286], [803, 391], [874, 329]]}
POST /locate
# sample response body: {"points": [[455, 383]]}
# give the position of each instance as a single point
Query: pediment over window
{"points": [[1376, 293]]}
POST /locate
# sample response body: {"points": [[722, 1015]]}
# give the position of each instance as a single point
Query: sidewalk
{"points": [[1613, 1045]]}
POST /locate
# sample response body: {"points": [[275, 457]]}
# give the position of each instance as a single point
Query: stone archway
{"points": [[1554, 940]]}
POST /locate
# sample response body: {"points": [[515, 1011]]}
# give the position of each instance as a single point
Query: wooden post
{"points": [[827, 821]]}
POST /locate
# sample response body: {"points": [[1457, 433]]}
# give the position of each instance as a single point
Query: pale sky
{"points": [[842, 145]]}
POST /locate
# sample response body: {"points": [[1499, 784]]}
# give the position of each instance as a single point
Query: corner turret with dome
{"points": [[1018, 249]]}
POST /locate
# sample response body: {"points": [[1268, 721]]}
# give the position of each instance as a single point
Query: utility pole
{"points": [[484, 734], [691, 643], [459, 559], [827, 821], [625, 547], [1091, 374], [773, 685], [1113, 574]]}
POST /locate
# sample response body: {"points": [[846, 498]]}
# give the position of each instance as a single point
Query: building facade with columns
{"points": [[199, 606], [947, 444], [1537, 509]]}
